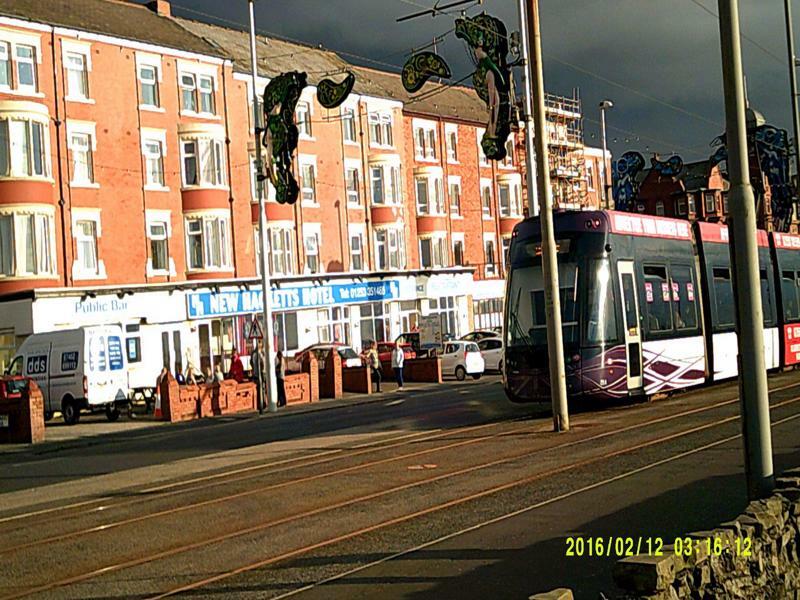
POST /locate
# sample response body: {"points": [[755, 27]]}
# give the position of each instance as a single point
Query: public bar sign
{"points": [[201, 305]]}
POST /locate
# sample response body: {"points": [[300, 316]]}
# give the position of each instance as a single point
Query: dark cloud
{"points": [[658, 61]]}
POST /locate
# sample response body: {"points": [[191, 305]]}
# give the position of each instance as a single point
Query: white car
{"points": [[492, 350], [462, 358]]}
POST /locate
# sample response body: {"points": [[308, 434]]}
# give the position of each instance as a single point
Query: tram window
{"points": [[684, 298], [723, 292], [766, 299], [791, 309], [659, 313], [602, 318]]}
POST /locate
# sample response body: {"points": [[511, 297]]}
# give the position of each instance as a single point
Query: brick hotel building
{"points": [[127, 191]]}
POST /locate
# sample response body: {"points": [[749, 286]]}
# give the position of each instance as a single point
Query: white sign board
{"points": [[430, 330]]}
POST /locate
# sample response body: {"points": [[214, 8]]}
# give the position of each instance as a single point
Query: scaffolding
{"points": [[567, 158]]}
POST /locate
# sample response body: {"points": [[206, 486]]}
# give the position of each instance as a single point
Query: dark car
{"points": [[385, 351]]}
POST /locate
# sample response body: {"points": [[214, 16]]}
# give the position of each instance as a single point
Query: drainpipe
{"points": [[230, 169], [346, 202], [366, 186], [141, 162], [57, 122]]}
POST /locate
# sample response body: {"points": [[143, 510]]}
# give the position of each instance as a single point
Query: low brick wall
{"points": [[298, 388], [357, 380], [311, 367], [330, 378], [423, 370], [187, 402], [756, 556], [25, 413]]}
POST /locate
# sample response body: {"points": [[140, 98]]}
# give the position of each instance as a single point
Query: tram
{"points": [[647, 305]]}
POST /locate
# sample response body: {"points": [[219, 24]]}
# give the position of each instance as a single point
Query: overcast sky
{"points": [[658, 61]]}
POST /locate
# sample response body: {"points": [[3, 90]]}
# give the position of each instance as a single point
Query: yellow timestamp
{"points": [[619, 546]]}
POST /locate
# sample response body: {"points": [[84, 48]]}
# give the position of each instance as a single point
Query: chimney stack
{"points": [[161, 7]]}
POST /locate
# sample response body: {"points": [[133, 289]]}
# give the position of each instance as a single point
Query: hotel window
{"points": [[281, 250], [5, 65], [77, 75], [489, 251], [349, 124], [159, 245], [458, 253], [425, 142], [384, 180], [208, 242], [23, 148], [692, 207], [506, 242], [452, 143], [203, 162], [380, 129], [508, 161], [711, 203], [590, 175], [433, 252], [303, 117], [86, 247], [311, 244], [455, 196], [374, 322], [26, 243], [356, 252], [285, 326], [26, 67], [81, 145], [148, 85], [389, 249], [486, 199], [353, 192], [429, 196], [483, 161], [308, 183], [509, 200], [153, 150], [197, 93]]}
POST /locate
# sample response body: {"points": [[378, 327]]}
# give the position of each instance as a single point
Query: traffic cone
{"points": [[157, 409]]}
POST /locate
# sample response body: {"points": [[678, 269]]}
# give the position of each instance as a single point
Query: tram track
{"points": [[152, 494], [259, 527]]}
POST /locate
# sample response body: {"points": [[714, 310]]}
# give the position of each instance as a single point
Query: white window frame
{"points": [[451, 147], [15, 251], [305, 127], [486, 208], [152, 218], [210, 218], [382, 122], [352, 111], [514, 208], [20, 152], [436, 205], [150, 136], [353, 198], [459, 238], [10, 41], [206, 147], [197, 72], [6, 55], [312, 247], [508, 161], [490, 268], [454, 181], [150, 61], [357, 231], [33, 61], [394, 246], [69, 50], [505, 248], [428, 149], [439, 252], [303, 161], [79, 271], [286, 259], [483, 161], [82, 128]]}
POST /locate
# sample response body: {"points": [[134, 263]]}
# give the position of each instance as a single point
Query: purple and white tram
{"points": [[647, 306]]}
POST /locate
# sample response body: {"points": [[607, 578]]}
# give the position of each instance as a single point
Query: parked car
{"points": [[385, 350], [479, 334], [462, 358], [350, 357], [76, 369], [492, 350]]}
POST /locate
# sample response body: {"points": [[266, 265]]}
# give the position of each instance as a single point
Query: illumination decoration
{"points": [[280, 135], [667, 168], [624, 172], [487, 38], [422, 66], [331, 94]]}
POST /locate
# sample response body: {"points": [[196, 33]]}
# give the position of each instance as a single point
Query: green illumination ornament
{"points": [[422, 66], [487, 37], [280, 136], [331, 94]]}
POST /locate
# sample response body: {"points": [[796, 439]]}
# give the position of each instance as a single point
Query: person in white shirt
{"points": [[398, 358]]}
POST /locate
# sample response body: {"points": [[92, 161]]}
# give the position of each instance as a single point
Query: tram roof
{"points": [[716, 233], [621, 223]]}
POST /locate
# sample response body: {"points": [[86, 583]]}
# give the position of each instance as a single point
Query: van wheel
{"points": [[476, 376], [70, 411], [461, 373], [112, 413]]}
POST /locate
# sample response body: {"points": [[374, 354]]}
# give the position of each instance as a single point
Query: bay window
{"points": [[433, 252], [5, 65], [430, 197], [23, 147], [208, 242], [509, 200], [389, 249], [26, 243], [203, 162], [385, 181]]}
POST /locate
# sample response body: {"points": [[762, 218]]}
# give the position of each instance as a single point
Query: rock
{"points": [[558, 594], [645, 574]]}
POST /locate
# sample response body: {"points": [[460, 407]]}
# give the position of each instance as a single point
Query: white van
{"points": [[76, 369]]}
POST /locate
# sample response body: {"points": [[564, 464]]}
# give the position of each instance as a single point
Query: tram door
{"points": [[633, 331]]}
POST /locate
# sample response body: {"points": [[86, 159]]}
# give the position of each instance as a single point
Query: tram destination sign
{"points": [[201, 305]]}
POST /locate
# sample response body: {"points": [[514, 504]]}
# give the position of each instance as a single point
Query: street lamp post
{"points": [[268, 387], [793, 63], [604, 105], [753, 391], [530, 151]]}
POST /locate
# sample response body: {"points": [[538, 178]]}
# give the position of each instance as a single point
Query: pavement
{"points": [[449, 492]]}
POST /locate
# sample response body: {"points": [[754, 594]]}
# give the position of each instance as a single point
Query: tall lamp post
{"points": [[753, 391], [605, 105], [793, 64], [268, 388]]}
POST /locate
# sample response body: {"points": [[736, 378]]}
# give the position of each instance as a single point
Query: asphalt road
{"points": [[446, 493]]}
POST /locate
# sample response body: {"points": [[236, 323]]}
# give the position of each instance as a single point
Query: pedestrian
{"points": [[208, 374], [237, 368], [280, 376], [219, 377], [374, 363], [398, 359], [256, 366], [192, 373]]}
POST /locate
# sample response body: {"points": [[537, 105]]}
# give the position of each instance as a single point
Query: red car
{"points": [[385, 351]]}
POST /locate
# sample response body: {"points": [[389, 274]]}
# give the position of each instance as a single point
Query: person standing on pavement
{"points": [[280, 376], [398, 359], [237, 368], [374, 363], [256, 364]]}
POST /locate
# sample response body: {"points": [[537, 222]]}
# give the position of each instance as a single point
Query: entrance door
{"points": [[633, 332]]}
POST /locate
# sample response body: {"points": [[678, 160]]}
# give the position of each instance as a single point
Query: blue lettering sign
{"points": [[221, 304]]}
